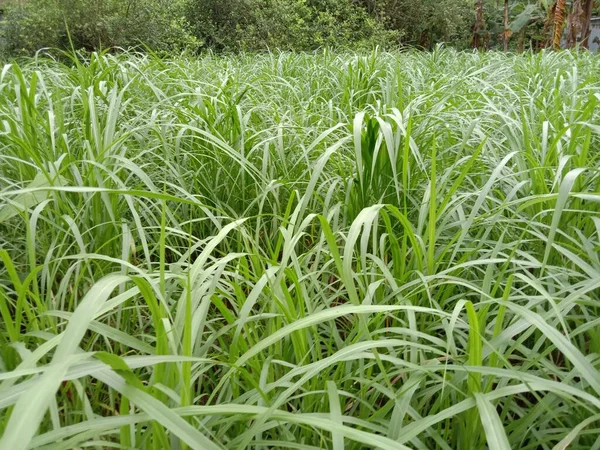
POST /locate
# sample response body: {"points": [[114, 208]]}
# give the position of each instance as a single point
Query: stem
{"points": [[506, 28]]}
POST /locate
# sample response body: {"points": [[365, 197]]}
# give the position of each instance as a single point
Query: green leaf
{"points": [[492, 425], [26, 200], [32, 405], [522, 20], [120, 367]]}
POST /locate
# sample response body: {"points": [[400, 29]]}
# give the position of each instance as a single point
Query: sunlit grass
{"points": [[394, 250]]}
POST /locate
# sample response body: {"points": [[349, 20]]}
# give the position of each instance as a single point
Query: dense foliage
{"points": [[301, 251], [283, 24], [92, 24], [424, 23], [235, 25]]}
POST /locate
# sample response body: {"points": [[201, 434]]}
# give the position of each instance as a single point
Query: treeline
{"points": [[233, 25]]}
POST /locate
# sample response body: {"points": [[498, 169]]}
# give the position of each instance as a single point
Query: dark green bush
{"points": [[283, 24], [424, 23], [95, 24]]}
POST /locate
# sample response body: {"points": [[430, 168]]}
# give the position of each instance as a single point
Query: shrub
{"points": [[426, 22], [283, 24], [95, 24]]}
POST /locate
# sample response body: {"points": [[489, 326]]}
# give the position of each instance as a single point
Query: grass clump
{"points": [[394, 250]]}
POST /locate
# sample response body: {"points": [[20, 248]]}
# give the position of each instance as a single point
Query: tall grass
{"points": [[300, 251]]}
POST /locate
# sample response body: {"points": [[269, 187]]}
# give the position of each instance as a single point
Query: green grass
{"points": [[384, 251]]}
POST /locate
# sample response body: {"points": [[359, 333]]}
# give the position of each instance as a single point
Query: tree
{"points": [[479, 27], [558, 22], [507, 32], [579, 23], [423, 23], [587, 23], [575, 23]]}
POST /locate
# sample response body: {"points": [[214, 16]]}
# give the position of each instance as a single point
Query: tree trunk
{"points": [[559, 22], [507, 32], [587, 23], [572, 25], [548, 27], [575, 28], [479, 25], [521, 41]]}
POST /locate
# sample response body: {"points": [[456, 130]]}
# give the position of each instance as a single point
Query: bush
{"points": [[283, 24], [426, 22], [96, 24], [30, 27]]}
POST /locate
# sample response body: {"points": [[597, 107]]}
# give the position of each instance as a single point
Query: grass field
{"points": [[380, 251]]}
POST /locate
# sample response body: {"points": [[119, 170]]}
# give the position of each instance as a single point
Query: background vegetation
{"points": [[234, 25], [301, 251]]}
